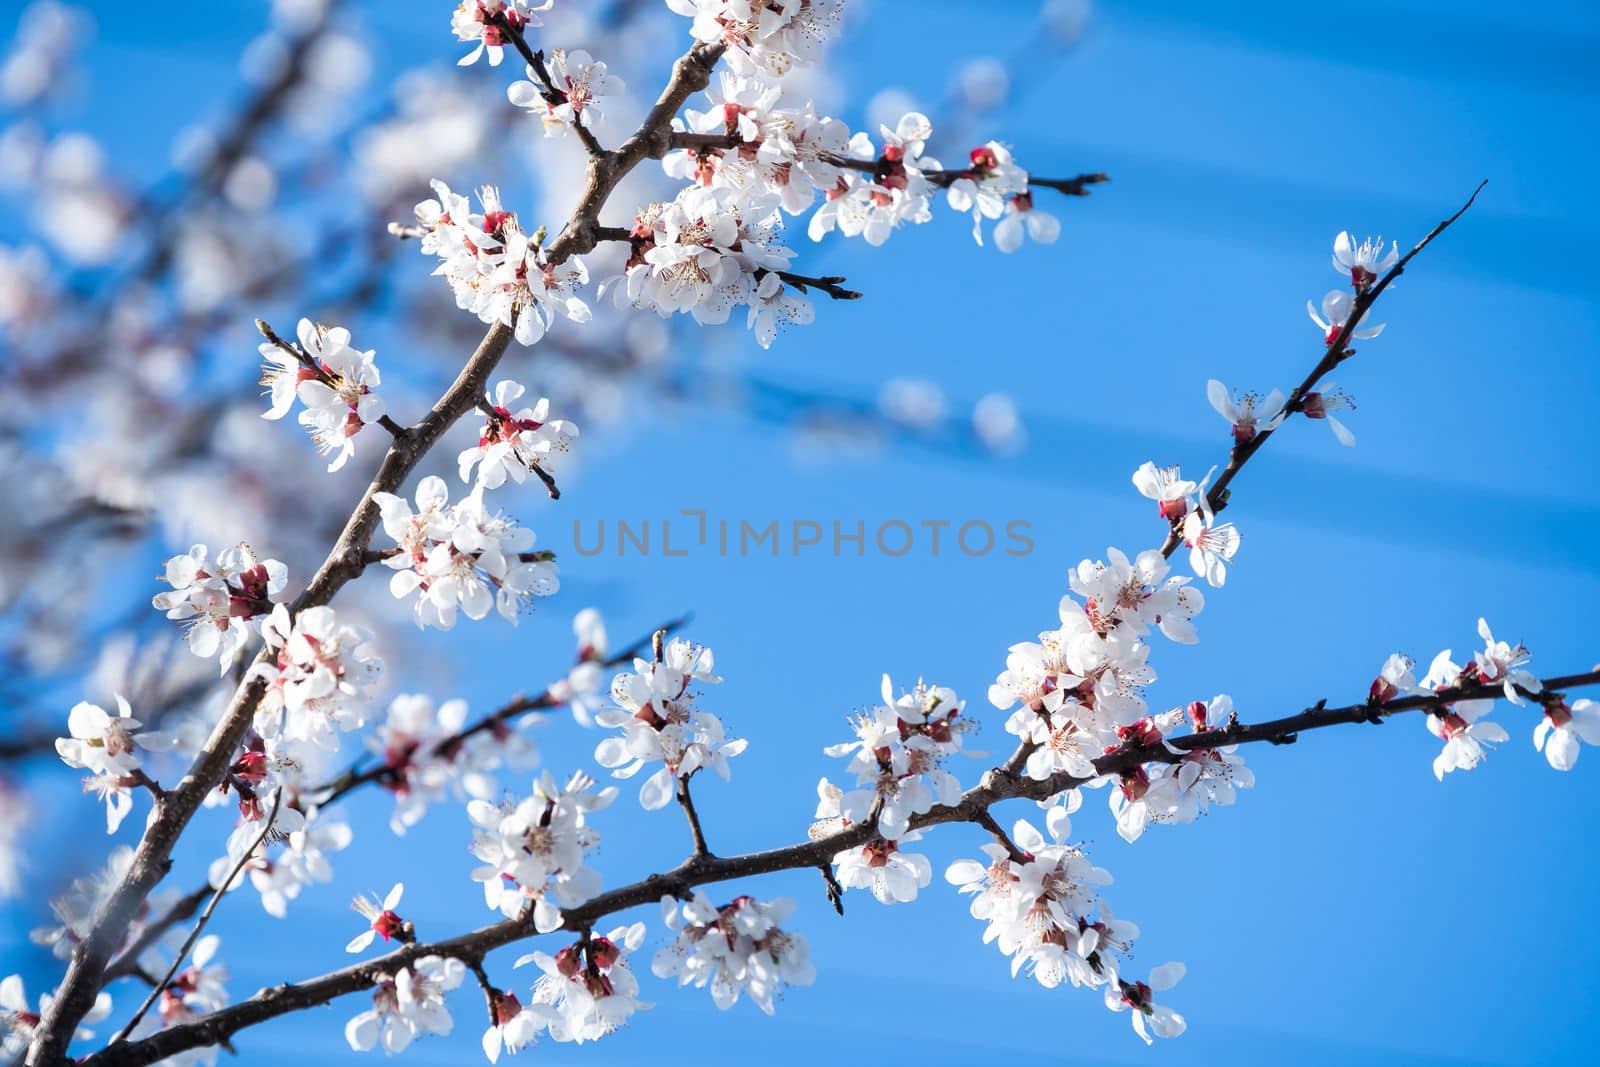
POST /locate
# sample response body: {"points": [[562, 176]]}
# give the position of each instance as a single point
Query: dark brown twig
{"points": [[1338, 350], [686, 801]]}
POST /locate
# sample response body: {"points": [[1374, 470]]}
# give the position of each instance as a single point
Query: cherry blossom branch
{"points": [[1337, 352], [1076, 186], [997, 785], [491, 993], [832, 285], [152, 858], [551, 94], [205, 917], [317, 371], [690, 74], [127, 964], [718, 142]]}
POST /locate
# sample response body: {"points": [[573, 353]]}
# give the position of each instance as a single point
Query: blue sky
{"points": [[1350, 907]]}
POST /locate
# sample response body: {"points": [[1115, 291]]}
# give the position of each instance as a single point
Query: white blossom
{"points": [[515, 443], [1148, 1016], [317, 680], [1337, 307], [532, 851], [736, 949], [406, 1005], [382, 919], [1247, 413], [661, 721], [471, 22], [769, 37], [1364, 263], [580, 82], [1562, 727], [103, 744], [588, 987], [217, 601], [898, 755]]}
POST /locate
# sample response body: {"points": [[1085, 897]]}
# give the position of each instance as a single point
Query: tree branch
{"points": [[701, 143], [973, 807], [690, 74], [173, 811], [1337, 352]]}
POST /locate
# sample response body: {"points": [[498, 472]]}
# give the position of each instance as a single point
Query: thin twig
{"points": [[1337, 352], [686, 801], [987, 821], [205, 917], [829, 285]]}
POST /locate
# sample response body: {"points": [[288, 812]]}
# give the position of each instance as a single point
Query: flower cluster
{"points": [[1460, 723], [1080, 686], [513, 444], [708, 252], [317, 679], [661, 722], [217, 600], [587, 990], [1180, 791], [479, 21], [769, 37], [1363, 264], [786, 152], [578, 82], [496, 270], [406, 1005], [1043, 909], [532, 850], [460, 557], [872, 204], [736, 949], [334, 381], [898, 757], [882, 867], [103, 744]]}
